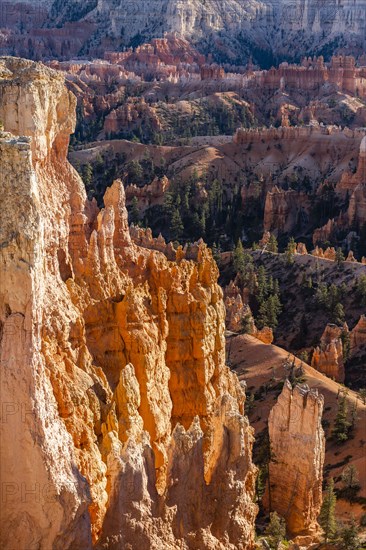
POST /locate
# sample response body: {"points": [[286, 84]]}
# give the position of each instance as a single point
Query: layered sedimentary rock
{"points": [[352, 184], [283, 209], [126, 425], [296, 470], [149, 195], [328, 357], [271, 25]]}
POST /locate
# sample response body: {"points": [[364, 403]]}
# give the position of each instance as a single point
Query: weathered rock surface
{"points": [[283, 208], [269, 24], [239, 316], [124, 427], [328, 357], [296, 470]]}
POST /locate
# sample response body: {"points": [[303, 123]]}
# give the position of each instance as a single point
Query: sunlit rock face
{"points": [[296, 469], [81, 27], [328, 356], [122, 427]]}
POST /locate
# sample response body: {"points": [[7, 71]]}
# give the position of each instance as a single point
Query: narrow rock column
{"points": [[296, 469]]}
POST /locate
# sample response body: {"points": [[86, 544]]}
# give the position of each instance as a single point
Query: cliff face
{"points": [[268, 24], [328, 357], [296, 470], [283, 209], [126, 425]]}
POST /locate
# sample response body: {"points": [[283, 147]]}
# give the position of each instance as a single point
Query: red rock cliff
{"points": [[296, 471], [123, 426]]}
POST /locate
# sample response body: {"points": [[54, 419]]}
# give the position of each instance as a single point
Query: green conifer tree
{"points": [[327, 512], [272, 245], [276, 530], [341, 422], [348, 537]]}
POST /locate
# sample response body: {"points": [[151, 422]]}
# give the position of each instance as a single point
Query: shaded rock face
{"points": [[284, 209], [127, 427], [296, 470], [328, 357]]}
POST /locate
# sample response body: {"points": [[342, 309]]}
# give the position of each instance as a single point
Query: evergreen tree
{"points": [[346, 343], [361, 289], [327, 512], [339, 257], [176, 225], [249, 403], [276, 530], [135, 172], [350, 482], [338, 314], [348, 537], [87, 174], [354, 417], [272, 245], [341, 423], [135, 212], [244, 265], [216, 253], [246, 324], [261, 284], [238, 258], [290, 251]]}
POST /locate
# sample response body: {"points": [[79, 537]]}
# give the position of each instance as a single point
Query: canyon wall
{"points": [[270, 25], [296, 468], [121, 424]]}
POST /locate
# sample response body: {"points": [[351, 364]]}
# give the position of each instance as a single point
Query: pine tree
{"points": [[238, 258], [350, 482], [361, 289], [276, 530], [272, 245], [341, 423], [261, 284], [176, 225], [327, 512], [338, 314], [348, 537], [339, 257], [87, 174], [354, 417], [135, 212], [290, 251], [135, 172], [246, 324], [346, 343]]}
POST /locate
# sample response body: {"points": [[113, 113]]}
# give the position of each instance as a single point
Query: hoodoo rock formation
{"points": [[328, 357], [124, 428], [296, 470]]}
